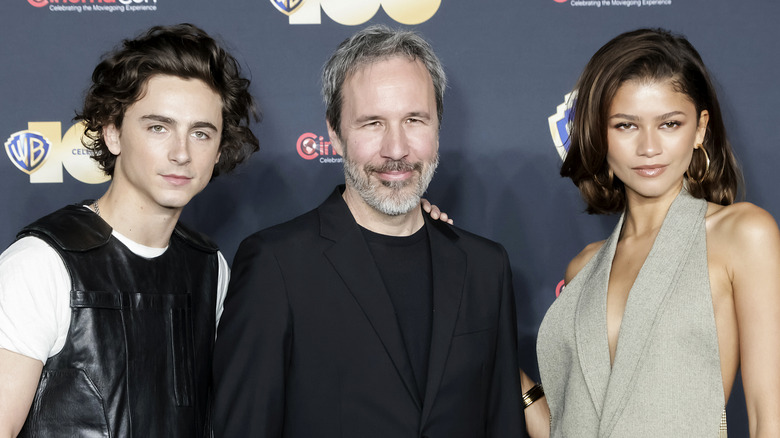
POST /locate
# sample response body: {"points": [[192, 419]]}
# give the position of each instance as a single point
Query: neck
{"points": [[646, 215], [149, 225], [367, 217]]}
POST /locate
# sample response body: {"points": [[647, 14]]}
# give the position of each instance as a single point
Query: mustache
{"points": [[394, 166]]}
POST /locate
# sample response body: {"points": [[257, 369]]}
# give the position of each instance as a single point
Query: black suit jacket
{"points": [[309, 346]]}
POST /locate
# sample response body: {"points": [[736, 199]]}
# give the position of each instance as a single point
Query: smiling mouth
{"points": [[395, 175], [392, 171]]}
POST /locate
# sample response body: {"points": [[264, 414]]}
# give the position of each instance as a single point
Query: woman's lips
{"points": [[650, 171]]}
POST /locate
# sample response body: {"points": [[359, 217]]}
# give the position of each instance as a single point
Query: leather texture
{"points": [[137, 359]]}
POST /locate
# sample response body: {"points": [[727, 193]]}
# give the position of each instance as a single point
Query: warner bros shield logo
{"points": [[287, 7], [27, 150], [559, 124]]}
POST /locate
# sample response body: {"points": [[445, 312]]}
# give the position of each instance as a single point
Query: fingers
{"points": [[426, 205], [434, 211]]}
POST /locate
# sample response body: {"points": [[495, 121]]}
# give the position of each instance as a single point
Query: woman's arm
{"points": [[754, 269], [537, 415]]}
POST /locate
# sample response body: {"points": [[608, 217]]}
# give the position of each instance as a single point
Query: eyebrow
{"points": [[418, 114], [634, 118], [669, 115], [170, 121], [363, 119]]}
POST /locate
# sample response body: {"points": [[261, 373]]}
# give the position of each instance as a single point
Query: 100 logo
{"points": [[40, 152], [355, 12]]}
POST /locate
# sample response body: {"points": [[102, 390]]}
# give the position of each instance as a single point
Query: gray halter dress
{"points": [[666, 379]]}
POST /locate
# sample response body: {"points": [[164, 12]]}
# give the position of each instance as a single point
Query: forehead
{"points": [[647, 95], [178, 98], [385, 77]]}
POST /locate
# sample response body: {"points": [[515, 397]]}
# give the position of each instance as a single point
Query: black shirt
{"points": [[405, 266]]}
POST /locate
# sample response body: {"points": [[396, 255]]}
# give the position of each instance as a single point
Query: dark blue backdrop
{"points": [[510, 64]]}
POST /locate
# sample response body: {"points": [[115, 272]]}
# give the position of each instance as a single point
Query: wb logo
{"points": [[355, 12], [40, 152], [27, 150], [286, 7], [559, 124]]}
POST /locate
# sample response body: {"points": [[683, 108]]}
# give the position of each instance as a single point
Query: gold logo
{"points": [[356, 12], [42, 152]]}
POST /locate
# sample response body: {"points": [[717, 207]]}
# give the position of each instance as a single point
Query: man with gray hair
{"points": [[364, 317]]}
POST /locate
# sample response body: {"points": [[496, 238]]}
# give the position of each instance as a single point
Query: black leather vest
{"points": [[137, 359]]}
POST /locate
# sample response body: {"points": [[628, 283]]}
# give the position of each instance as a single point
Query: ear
{"points": [[111, 139], [335, 142], [701, 129]]}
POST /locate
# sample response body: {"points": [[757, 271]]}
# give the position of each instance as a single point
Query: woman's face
{"points": [[651, 132]]}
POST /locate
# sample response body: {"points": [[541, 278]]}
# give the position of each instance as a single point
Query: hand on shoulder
{"points": [[434, 211]]}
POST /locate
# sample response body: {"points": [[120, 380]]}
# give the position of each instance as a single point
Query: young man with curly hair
{"points": [[110, 305]]}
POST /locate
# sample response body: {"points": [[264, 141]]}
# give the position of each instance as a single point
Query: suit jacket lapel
{"points": [[591, 321], [449, 272], [654, 283], [351, 258]]}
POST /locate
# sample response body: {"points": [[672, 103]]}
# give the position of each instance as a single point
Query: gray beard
{"points": [[398, 201]]}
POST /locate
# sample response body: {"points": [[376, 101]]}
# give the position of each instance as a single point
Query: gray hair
{"points": [[375, 43]]}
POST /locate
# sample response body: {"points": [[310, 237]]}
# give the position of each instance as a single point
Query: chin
{"points": [[394, 202], [656, 193], [174, 203], [176, 198]]}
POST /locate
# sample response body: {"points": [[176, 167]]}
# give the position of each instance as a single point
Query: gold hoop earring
{"points": [[706, 167]]}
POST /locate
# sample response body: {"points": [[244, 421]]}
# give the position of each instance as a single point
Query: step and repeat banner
{"points": [[510, 63]]}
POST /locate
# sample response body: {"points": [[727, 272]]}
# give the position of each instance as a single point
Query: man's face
{"points": [[389, 134], [168, 144]]}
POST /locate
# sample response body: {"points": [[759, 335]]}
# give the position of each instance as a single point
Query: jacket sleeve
{"points": [[505, 411], [252, 347]]}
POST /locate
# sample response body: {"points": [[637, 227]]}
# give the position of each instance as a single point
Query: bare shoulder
{"points": [[582, 259], [741, 233], [740, 224]]}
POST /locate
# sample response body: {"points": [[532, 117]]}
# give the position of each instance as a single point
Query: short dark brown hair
{"points": [[644, 55], [182, 50]]}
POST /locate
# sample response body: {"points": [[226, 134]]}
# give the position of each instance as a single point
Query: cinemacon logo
{"points": [[42, 3], [311, 146]]}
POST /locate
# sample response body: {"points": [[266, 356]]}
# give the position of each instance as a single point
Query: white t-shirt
{"points": [[35, 295]]}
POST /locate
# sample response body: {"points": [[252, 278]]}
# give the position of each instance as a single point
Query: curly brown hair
{"points": [[182, 50], [652, 55]]}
